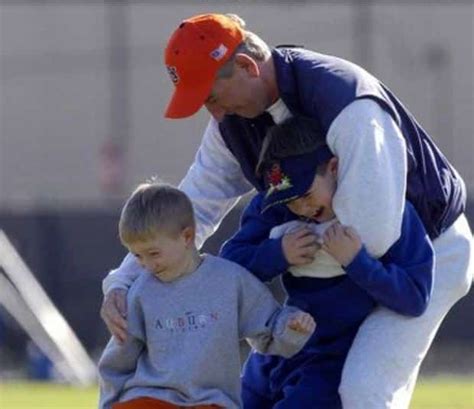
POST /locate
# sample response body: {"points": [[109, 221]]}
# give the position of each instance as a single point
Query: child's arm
{"points": [[402, 279], [116, 366], [119, 360], [252, 248], [269, 327]]}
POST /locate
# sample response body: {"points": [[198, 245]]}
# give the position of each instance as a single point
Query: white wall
{"points": [[55, 85]]}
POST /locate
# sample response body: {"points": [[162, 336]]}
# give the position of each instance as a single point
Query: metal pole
{"points": [[363, 33], [114, 150]]}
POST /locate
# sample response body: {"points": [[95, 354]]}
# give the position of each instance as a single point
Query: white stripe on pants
{"points": [[383, 362]]}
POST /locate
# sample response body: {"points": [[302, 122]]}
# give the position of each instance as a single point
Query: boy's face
{"points": [[316, 203], [165, 256]]}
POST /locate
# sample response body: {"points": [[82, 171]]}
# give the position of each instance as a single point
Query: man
{"points": [[246, 86]]}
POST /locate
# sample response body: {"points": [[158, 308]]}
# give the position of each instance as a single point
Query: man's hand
{"points": [[114, 313], [342, 242], [302, 322], [300, 246]]}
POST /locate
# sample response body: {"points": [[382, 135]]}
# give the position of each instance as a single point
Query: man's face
{"points": [[163, 255], [316, 203], [243, 93]]}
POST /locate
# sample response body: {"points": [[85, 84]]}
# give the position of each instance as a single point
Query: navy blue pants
{"points": [[304, 381]]}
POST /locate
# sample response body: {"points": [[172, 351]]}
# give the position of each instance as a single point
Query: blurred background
{"points": [[82, 95]]}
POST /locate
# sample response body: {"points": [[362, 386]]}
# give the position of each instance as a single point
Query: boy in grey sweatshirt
{"points": [[187, 315]]}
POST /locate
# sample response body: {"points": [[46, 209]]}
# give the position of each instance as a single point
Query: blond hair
{"points": [[154, 207]]}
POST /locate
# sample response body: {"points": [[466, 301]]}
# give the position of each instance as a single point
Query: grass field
{"points": [[442, 393]]}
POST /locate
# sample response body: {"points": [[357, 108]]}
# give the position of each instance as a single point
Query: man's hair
{"points": [[155, 207], [252, 46], [295, 136]]}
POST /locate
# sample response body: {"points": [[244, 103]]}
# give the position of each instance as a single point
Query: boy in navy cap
{"points": [[339, 287]]}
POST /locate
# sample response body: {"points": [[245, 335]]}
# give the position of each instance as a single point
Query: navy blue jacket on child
{"points": [[401, 280]]}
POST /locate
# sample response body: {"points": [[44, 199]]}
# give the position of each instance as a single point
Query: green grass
{"points": [[442, 393], [46, 396]]}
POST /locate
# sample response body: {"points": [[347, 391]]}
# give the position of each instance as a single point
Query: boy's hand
{"points": [[114, 313], [341, 242], [300, 247], [302, 322]]}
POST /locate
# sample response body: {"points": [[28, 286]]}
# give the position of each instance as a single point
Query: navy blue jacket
{"points": [[401, 280], [321, 86]]}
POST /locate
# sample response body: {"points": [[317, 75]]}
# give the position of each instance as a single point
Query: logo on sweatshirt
{"points": [[190, 321]]}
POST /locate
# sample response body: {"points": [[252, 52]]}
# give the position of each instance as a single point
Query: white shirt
{"points": [[323, 265]]}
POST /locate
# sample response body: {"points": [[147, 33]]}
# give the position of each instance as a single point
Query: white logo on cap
{"points": [[219, 52], [173, 74]]}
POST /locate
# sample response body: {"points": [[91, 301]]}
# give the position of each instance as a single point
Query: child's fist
{"points": [[302, 322], [300, 246], [342, 242]]}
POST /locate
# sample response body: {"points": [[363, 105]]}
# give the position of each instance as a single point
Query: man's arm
{"points": [[214, 182], [402, 279], [372, 171], [123, 276], [115, 287]]}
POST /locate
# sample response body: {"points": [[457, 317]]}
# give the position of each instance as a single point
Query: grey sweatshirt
{"points": [[183, 344]]}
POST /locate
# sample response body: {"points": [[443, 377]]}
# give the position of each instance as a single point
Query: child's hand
{"points": [[341, 242], [302, 322], [299, 247]]}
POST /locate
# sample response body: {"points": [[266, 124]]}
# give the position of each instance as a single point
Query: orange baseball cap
{"points": [[197, 49]]}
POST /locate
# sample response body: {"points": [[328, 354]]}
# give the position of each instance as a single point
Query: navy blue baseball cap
{"points": [[289, 178]]}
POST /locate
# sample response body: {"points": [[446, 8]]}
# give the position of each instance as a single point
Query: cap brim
{"points": [[188, 99], [293, 193]]}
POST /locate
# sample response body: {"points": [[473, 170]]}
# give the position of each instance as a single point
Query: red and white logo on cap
{"points": [[219, 52], [277, 180]]}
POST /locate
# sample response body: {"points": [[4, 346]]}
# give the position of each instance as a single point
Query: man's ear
{"points": [[248, 64]]}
